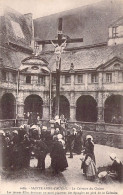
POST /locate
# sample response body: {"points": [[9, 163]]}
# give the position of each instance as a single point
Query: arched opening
{"points": [[64, 107], [33, 104], [113, 111], [8, 105], [86, 109]]}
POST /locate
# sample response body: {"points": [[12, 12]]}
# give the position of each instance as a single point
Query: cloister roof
{"points": [[86, 58], [89, 22]]}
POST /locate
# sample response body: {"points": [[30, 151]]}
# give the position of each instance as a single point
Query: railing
{"points": [[88, 126], [103, 133], [99, 127]]}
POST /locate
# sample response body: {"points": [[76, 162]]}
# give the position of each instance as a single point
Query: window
{"points": [[3, 75], [80, 78], [28, 79], [114, 32], [41, 80], [54, 79], [108, 77], [67, 79], [94, 78], [14, 77]]}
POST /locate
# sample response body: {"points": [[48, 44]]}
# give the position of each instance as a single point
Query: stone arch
{"points": [[86, 109], [64, 106], [8, 106], [113, 108], [34, 104]]}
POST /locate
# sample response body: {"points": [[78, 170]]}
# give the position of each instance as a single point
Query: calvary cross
{"points": [[59, 45]]}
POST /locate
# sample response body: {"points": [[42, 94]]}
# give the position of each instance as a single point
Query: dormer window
{"points": [[114, 32]]}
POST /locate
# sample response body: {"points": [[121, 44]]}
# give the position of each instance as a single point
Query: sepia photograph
{"points": [[61, 97]]}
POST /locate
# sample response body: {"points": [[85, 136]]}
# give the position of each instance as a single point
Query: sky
{"points": [[41, 8]]}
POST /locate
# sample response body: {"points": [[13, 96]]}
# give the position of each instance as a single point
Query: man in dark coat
{"points": [[78, 142], [26, 151], [15, 150], [40, 153], [70, 143]]}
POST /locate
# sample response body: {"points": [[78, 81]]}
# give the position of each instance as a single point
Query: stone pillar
{"points": [[100, 114], [100, 107], [46, 112], [72, 106], [20, 111], [72, 113]]}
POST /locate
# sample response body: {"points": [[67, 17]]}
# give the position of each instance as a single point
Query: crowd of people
{"points": [[20, 146]]}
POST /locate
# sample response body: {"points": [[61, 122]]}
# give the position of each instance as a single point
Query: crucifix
{"points": [[59, 45]]}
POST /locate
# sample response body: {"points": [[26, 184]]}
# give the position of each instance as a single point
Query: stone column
{"points": [[100, 114], [72, 106], [20, 111], [72, 113], [100, 107], [46, 112]]}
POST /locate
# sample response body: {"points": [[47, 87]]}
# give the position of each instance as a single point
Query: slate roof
{"points": [[89, 22], [118, 22], [12, 59], [8, 33], [86, 59]]}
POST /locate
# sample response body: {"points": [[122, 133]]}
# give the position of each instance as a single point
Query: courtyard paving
{"points": [[28, 180]]}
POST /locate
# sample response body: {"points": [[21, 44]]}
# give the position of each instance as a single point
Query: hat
{"points": [[56, 117], [113, 156], [59, 136], [89, 137], [55, 137], [15, 132], [102, 174], [34, 127], [22, 127], [2, 132], [62, 141], [44, 128]]}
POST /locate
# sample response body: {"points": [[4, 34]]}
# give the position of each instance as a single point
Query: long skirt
{"points": [[59, 162]]}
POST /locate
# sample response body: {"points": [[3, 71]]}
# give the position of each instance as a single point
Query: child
{"points": [[90, 167]]}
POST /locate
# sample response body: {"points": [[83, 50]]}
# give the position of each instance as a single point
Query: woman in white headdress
{"points": [[116, 169]]}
